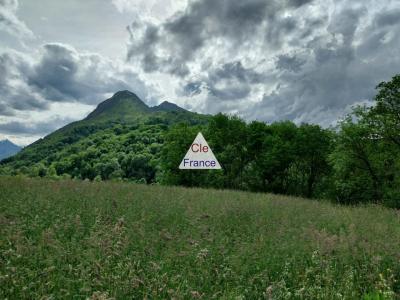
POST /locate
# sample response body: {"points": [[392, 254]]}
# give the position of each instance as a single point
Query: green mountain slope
{"points": [[121, 138], [123, 106]]}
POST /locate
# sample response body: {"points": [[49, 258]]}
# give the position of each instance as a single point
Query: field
{"points": [[107, 240]]}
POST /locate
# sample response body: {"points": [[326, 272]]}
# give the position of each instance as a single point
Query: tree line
{"points": [[357, 162]]}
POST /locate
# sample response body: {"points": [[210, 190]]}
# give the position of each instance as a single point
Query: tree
{"points": [[227, 136], [177, 142], [313, 145], [384, 118], [276, 155], [357, 164]]}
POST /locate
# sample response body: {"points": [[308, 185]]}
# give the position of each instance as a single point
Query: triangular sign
{"points": [[199, 156]]}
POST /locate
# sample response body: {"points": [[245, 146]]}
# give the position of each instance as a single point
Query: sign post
{"points": [[199, 156]]}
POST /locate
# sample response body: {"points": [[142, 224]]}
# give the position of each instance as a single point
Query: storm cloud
{"points": [[307, 61], [37, 129], [64, 74], [61, 74], [171, 46]]}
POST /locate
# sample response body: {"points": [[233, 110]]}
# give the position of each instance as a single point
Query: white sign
{"points": [[199, 156]]}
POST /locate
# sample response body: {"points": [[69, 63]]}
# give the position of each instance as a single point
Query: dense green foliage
{"points": [[87, 240], [124, 139], [280, 158], [367, 151]]}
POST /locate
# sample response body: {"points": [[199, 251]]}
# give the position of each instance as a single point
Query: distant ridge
{"points": [[8, 148], [125, 104]]}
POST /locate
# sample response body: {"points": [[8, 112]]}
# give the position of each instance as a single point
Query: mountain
{"points": [[8, 149], [124, 105], [121, 138], [168, 106]]}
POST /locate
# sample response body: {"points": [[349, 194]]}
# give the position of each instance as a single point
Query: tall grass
{"points": [[77, 240]]}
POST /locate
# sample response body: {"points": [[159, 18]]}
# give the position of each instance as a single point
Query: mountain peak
{"points": [[124, 93], [122, 105], [168, 107]]}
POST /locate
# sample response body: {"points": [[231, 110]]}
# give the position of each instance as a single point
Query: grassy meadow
{"points": [[107, 240]]}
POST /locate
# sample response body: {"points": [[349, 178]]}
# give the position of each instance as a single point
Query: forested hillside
{"points": [[121, 138], [124, 139]]}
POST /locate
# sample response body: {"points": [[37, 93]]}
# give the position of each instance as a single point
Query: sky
{"points": [[267, 60]]}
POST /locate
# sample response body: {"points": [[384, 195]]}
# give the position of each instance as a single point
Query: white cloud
{"points": [[150, 10], [9, 21]]}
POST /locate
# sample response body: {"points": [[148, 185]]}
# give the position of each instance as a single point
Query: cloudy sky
{"points": [[302, 60]]}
